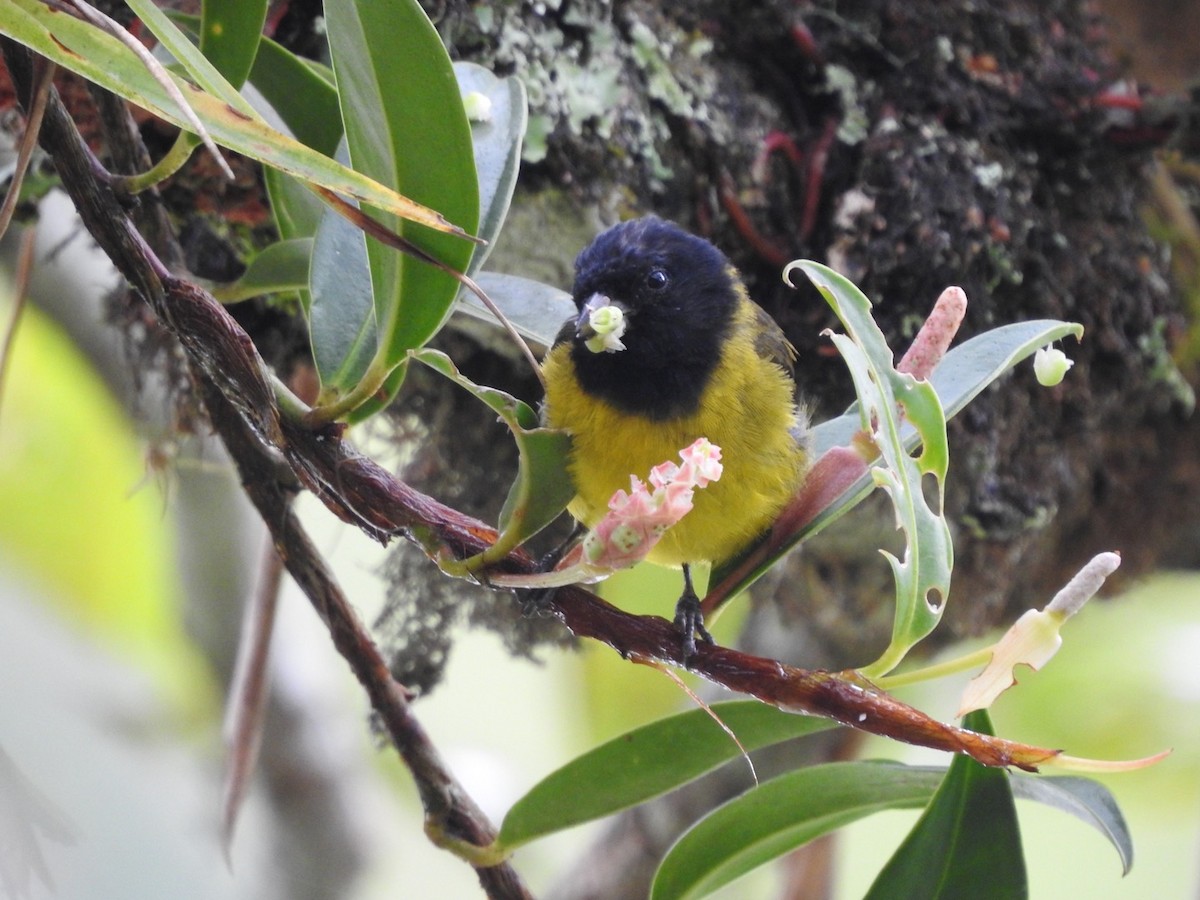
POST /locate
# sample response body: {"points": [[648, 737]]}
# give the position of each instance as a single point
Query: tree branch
{"points": [[242, 410]]}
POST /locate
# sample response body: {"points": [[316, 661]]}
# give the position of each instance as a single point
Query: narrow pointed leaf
{"points": [[781, 815], [301, 91], [307, 103], [201, 69], [967, 842], [405, 127], [103, 59], [1085, 799], [645, 763]]}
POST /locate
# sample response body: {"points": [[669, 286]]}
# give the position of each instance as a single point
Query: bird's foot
{"points": [[689, 622]]}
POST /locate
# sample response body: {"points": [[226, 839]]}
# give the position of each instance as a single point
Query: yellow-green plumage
{"points": [[701, 360]]}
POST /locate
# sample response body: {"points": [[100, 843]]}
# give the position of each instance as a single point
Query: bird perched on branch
{"points": [[667, 347]]}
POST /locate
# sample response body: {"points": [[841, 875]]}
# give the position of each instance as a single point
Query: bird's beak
{"points": [[583, 324]]}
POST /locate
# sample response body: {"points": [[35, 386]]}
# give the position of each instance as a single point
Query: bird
{"points": [[697, 358]]}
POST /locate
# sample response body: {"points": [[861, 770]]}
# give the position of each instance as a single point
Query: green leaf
{"points": [[341, 312], [787, 812], [923, 575], [201, 69], [302, 92], [645, 763], [103, 59], [543, 486], [782, 814], [229, 35], [536, 310], [405, 127], [497, 146], [279, 267], [967, 842], [965, 371], [962, 375], [1085, 799]]}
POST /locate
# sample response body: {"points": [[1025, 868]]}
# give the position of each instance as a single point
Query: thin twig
{"points": [[100, 20], [248, 690], [44, 71], [449, 810]]}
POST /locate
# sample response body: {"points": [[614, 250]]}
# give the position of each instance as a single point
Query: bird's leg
{"points": [[689, 620], [535, 601]]}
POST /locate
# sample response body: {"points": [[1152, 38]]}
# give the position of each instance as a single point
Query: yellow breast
{"points": [[747, 410]]}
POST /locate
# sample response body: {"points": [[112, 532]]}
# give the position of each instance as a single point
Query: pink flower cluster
{"points": [[638, 519], [634, 524]]}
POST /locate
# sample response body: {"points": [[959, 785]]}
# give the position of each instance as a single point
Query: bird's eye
{"points": [[657, 279]]}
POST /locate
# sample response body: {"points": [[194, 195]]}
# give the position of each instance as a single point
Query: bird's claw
{"points": [[689, 622]]}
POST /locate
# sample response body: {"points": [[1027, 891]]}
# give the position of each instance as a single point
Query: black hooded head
{"points": [[678, 293]]}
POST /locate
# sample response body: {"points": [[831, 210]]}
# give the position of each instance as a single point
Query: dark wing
{"points": [[770, 342]]}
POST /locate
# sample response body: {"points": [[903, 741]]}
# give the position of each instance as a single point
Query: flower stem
{"points": [[938, 670]]}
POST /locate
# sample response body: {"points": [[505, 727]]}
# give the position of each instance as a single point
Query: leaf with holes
{"points": [[965, 371]]}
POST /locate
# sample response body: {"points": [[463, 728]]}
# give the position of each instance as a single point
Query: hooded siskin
{"points": [[699, 360]]}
